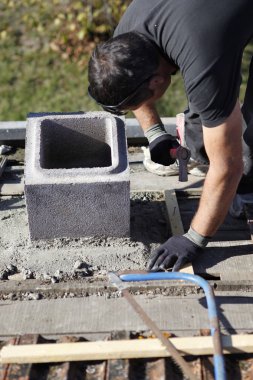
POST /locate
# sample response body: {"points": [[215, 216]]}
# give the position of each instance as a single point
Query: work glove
{"points": [[178, 251], [160, 143]]}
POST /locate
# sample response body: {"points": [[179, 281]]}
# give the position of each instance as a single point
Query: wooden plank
{"points": [[3, 165], [175, 220], [12, 188], [122, 349]]}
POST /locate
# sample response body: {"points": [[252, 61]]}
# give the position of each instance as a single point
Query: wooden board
{"points": [[175, 221], [123, 349], [3, 165], [16, 188]]}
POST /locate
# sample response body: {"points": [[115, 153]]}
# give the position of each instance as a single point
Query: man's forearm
{"points": [[218, 192], [224, 149], [147, 116]]}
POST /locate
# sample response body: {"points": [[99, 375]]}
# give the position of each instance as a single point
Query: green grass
{"points": [[44, 82], [174, 100], [248, 54], [39, 81]]}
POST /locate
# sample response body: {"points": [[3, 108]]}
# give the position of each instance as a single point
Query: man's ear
{"points": [[156, 81]]}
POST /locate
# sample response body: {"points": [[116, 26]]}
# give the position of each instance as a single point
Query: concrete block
{"points": [[77, 176]]}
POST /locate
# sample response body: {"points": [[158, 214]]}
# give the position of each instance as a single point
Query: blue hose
{"points": [[218, 358]]}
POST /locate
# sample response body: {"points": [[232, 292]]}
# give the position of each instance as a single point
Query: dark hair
{"points": [[117, 66]]}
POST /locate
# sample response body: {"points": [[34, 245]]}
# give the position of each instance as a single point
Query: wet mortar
{"points": [[64, 260]]}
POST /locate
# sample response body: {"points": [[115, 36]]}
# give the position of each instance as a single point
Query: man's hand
{"points": [[160, 142], [160, 149], [175, 252], [224, 149]]}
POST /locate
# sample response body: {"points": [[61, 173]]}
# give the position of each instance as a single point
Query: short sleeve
{"points": [[213, 93]]}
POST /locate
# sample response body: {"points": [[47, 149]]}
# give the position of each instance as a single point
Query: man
{"points": [[205, 41]]}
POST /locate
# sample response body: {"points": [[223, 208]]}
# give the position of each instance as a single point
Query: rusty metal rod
{"points": [[175, 354]]}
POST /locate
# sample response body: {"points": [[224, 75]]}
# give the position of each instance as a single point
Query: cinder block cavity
{"points": [[77, 176], [77, 145]]}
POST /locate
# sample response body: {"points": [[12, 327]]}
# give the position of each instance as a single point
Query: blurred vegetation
{"points": [[45, 48]]}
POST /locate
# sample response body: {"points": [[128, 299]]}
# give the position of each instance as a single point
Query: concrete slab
{"points": [[16, 130], [141, 179], [12, 130], [181, 316], [228, 260]]}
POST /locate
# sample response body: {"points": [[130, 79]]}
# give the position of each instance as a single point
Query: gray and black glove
{"points": [[178, 251], [160, 143]]}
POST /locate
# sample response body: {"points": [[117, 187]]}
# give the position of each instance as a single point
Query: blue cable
{"points": [[218, 358]]}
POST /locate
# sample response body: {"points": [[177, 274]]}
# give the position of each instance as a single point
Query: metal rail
{"points": [[219, 363]]}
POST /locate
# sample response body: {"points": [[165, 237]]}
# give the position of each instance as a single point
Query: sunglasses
{"points": [[120, 109]]}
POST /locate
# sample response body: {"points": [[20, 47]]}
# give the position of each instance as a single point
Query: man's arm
{"points": [[224, 149], [160, 142], [147, 116]]}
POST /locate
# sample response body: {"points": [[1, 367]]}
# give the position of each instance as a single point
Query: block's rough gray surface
{"points": [[77, 176]]}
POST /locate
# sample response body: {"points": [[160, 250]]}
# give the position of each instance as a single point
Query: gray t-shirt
{"points": [[205, 39]]}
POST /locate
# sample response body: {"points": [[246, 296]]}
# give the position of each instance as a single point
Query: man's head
{"points": [[124, 71]]}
